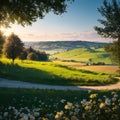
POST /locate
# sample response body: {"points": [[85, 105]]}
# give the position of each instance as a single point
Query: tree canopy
{"points": [[111, 23], [111, 27], [13, 47], [24, 12]]}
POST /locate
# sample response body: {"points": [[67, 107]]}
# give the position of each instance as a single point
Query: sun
{"points": [[6, 31]]}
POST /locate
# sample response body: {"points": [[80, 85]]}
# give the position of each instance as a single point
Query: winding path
{"points": [[19, 84]]}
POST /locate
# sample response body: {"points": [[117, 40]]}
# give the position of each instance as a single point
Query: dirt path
{"points": [[19, 84]]}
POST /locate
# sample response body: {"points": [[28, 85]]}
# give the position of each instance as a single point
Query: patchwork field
{"points": [[96, 68]]}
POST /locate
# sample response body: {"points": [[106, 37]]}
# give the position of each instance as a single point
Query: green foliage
{"points": [[25, 12], [52, 73], [13, 47], [114, 49], [32, 54], [111, 26], [111, 23]]}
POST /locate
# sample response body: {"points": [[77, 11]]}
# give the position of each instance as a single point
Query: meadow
{"points": [[34, 104], [52, 73], [84, 54]]}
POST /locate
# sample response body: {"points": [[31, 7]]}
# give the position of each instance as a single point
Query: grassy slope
{"points": [[84, 54], [51, 73]]}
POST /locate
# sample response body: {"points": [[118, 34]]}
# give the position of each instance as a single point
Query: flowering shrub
{"points": [[94, 108]]}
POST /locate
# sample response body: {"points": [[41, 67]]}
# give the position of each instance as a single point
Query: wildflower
{"points": [[87, 107], [114, 99], [93, 96], [5, 114], [31, 117], [115, 96], [63, 100], [58, 115], [83, 102], [99, 100], [44, 118], [36, 114], [113, 93], [68, 106], [102, 105], [107, 101], [89, 91], [74, 118], [0, 117]]}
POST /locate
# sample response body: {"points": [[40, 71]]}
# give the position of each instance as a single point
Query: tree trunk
{"points": [[13, 60], [119, 55]]}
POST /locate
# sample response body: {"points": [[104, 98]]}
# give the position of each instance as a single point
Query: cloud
{"points": [[86, 36]]}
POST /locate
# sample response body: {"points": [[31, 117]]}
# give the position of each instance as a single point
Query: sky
{"points": [[76, 24]]}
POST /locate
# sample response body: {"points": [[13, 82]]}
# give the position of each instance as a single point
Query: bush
{"points": [[32, 56], [99, 63]]}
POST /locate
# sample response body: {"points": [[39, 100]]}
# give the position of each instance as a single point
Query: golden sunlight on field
{"points": [[98, 68], [107, 69]]}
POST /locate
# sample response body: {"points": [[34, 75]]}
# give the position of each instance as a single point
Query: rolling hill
{"points": [[53, 47], [84, 55], [81, 51]]}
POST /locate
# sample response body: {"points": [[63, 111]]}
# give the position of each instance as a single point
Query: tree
{"points": [[23, 55], [32, 56], [2, 39], [13, 47], [111, 26], [24, 12]]}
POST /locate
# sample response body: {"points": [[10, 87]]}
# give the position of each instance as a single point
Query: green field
{"points": [[84, 54], [52, 73]]}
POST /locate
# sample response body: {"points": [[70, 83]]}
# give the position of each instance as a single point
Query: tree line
{"points": [[12, 47]]}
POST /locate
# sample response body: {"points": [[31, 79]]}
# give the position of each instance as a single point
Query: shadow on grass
{"points": [[16, 72]]}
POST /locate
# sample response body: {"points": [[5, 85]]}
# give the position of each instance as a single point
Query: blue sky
{"points": [[76, 24]]}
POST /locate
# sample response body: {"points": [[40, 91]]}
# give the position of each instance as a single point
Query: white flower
{"points": [[107, 101], [36, 114], [25, 117], [99, 100], [114, 99], [84, 102], [63, 100], [5, 114], [0, 117], [31, 117]]}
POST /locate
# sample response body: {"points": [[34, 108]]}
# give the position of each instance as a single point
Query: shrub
{"points": [[32, 56]]}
